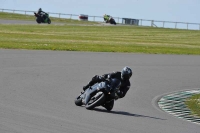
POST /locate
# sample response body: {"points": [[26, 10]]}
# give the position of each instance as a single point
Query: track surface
{"points": [[37, 91], [2, 21], [23, 22]]}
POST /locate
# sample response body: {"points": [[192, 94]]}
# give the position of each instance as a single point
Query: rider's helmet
{"points": [[40, 9], [126, 73]]}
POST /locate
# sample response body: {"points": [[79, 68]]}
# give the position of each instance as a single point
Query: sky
{"points": [[164, 10]]}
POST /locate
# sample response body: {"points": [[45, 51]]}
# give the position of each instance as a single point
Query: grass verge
{"points": [[193, 103], [98, 38], [131, 39]]}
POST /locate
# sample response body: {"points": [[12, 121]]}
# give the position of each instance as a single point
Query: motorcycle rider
{"points": [[123, 76], [106, 18], [42, 13]]}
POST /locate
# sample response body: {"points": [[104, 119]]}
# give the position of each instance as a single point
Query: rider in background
{"points": [[42, 13], [106, 18]]}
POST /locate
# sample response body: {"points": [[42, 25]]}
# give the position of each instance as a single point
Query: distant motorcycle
{"points": [[41, 19], [111, 21], [100, 94]]}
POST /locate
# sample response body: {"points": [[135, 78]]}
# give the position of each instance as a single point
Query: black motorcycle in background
{"points": [[111, 21], [100, 94], [42, 18]]}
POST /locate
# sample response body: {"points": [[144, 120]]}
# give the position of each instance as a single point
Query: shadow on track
{"points": [[125, 113]]}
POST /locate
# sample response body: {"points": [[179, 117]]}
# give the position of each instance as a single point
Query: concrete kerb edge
{"points": [[155, 100]]}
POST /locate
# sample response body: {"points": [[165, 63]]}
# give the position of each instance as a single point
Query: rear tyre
{"points": [[95, 101], [49, 21], [109, 106], [112, 21]]}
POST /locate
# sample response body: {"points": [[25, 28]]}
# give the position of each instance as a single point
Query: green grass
{"points": [[131, 39], [193, 103]]}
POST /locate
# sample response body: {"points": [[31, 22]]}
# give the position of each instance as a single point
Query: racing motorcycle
{"points": [[40, 19], [100, 94], [111, 21]]}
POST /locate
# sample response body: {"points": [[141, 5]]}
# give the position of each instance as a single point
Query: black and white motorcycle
{"points": [[100, 94]]}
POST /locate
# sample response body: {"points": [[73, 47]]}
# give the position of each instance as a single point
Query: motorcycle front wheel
{"points": [[96, 100], [38, 20], [78, 101]]}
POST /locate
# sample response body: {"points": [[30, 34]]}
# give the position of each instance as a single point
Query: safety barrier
{"points": [[142, 22]]}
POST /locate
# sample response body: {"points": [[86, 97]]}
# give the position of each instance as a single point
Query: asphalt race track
{"points": [[23, 22], [38, 88], [2, 21], [33, 22]]}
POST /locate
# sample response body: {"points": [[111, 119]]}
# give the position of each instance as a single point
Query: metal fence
{"points": [[142, 22]]}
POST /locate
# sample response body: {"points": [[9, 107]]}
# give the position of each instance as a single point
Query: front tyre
{"points": [[78, 101], [38, 20], [96, 101]]}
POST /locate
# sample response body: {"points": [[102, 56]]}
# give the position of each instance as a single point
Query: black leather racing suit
{"points": [[125, 84], [42, 14]]}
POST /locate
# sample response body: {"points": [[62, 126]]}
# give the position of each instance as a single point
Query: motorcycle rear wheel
{"points": [[95, 102], [109, 106], [112, 21], [49, 21]]}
